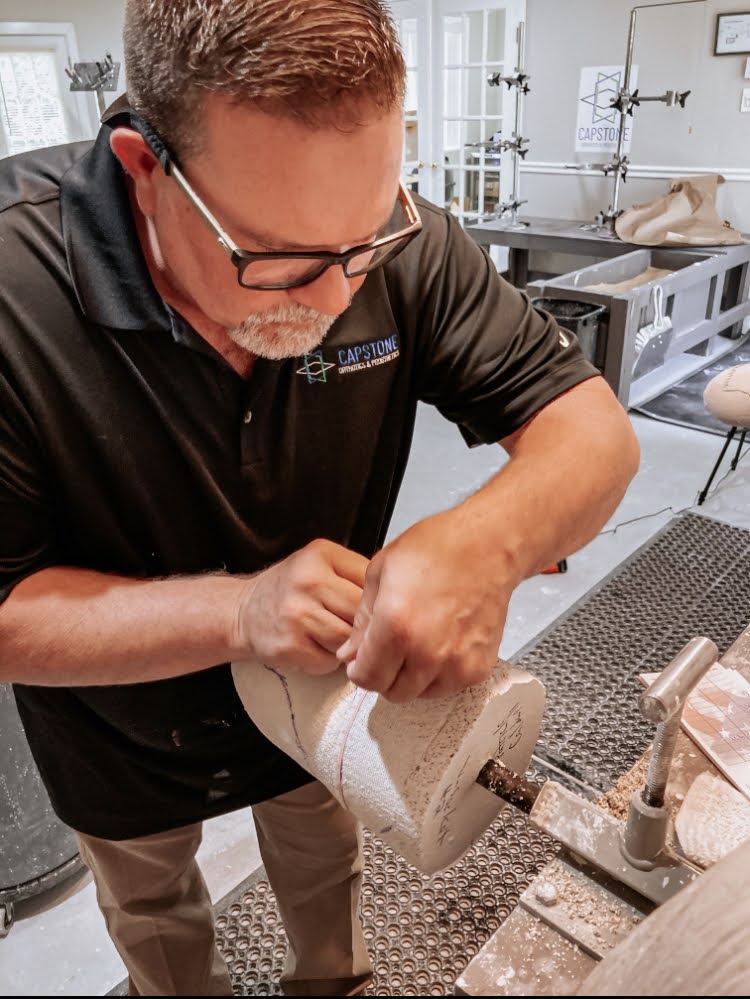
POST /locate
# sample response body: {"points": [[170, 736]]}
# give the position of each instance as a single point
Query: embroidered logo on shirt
{"points": [[315, 367], [367, 355], [563, 339], [357, 357]]}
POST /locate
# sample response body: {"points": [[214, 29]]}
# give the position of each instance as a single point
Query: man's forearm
{"points": [[569, 469], [67, 626]]}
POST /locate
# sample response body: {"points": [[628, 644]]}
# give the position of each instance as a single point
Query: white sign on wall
{"points": [[598, 123]]}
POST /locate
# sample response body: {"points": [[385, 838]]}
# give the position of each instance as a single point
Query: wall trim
{"points": [[730, 174]]}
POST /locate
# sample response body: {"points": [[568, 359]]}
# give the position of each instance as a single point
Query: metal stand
{"points": [[516, 144], [624, 102], [96, 77], [715, 469]]}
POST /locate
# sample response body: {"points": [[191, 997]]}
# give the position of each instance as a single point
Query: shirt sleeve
{"points": [[26, 518], [488, 360]]}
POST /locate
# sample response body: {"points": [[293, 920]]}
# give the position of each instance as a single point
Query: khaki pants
{"points": [[159, 914]]}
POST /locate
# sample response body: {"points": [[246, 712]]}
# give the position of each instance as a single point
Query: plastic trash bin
{"points": [[38, 851], [581, 318]]}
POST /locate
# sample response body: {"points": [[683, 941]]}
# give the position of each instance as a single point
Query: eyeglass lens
{"points": [[285, 272]]}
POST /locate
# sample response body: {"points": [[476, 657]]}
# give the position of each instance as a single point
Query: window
{"points": [[452, 47], [36, 105]]}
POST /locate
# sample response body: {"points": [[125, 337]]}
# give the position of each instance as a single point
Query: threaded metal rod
{"points": [[654, 790]]}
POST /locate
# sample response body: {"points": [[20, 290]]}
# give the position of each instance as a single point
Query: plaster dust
{"points": [[531, 958], [713, 820], [512, 962], [566, 816], [526, 958], [688, 763], [617, 800], [598, 918]]}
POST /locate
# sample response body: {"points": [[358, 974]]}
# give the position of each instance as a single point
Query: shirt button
{"points": [[248, 416]]}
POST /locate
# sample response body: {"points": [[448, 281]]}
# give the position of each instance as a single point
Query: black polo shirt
{"points": [[129, 446]]}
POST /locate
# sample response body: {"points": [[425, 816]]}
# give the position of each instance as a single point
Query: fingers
{"points": [[362, 617], [348, 564], [310, 645], [298, 612], [384, 652], [326, 630], [406, 644], [374, 658], [396, 623], [332, 577], [341, 598], [408, 675]]}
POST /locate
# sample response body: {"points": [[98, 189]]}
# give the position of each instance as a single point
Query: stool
{"points": [[727, 397]]}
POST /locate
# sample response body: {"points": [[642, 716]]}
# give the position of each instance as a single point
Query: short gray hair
{"points": [[317, 61]]}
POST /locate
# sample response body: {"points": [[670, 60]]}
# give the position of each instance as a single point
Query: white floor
{"points": [[58, 945]]}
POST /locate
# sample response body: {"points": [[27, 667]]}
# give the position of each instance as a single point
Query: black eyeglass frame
{"points": [[243, 258]]}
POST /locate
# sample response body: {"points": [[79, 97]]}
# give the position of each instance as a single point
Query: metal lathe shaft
{"points": [[509, 786]]}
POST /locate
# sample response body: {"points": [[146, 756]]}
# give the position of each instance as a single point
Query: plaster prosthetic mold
{"points": [[407, 771]]}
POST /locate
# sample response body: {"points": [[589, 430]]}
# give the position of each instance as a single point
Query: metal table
{"points": [[555, 235]]}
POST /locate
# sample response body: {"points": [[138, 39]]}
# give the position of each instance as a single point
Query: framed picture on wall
{"points": [[732, 33]]}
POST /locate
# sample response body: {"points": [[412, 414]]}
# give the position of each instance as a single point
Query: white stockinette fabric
{"points": [[407, 771]]}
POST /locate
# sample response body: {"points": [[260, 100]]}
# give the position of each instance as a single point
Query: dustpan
{"points": [[652, 340]]}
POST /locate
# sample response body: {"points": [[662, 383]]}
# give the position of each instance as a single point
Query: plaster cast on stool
{"points": [[727, 396]]}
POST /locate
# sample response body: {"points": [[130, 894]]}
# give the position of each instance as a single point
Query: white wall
{"points": [[673, 50]]}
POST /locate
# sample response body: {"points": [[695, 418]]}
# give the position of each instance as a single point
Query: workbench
{"points": [[708, 317], [549, 235]]}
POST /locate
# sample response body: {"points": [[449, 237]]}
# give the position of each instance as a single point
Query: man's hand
{"points": [[435, 600], [298, 612], [431, 619]]}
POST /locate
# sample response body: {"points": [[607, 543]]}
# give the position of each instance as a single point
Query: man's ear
{"points": [[137, 160]]}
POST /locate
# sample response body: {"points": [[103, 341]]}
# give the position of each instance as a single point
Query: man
{"points": [[216, 328]]}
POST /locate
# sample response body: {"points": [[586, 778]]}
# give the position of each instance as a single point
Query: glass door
{"points": [[452, 48], [412, 19], [476, 40]]}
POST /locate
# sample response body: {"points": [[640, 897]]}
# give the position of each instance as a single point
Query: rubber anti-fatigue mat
{"points": [[692, 579]]}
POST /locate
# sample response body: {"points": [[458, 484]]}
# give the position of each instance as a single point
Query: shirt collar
{"points": [[107, 265]]}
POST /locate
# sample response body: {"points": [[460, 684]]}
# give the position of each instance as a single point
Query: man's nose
{"points": [[331, 293]]}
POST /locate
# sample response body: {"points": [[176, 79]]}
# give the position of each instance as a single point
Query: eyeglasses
{"points": [[275, 271]]}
